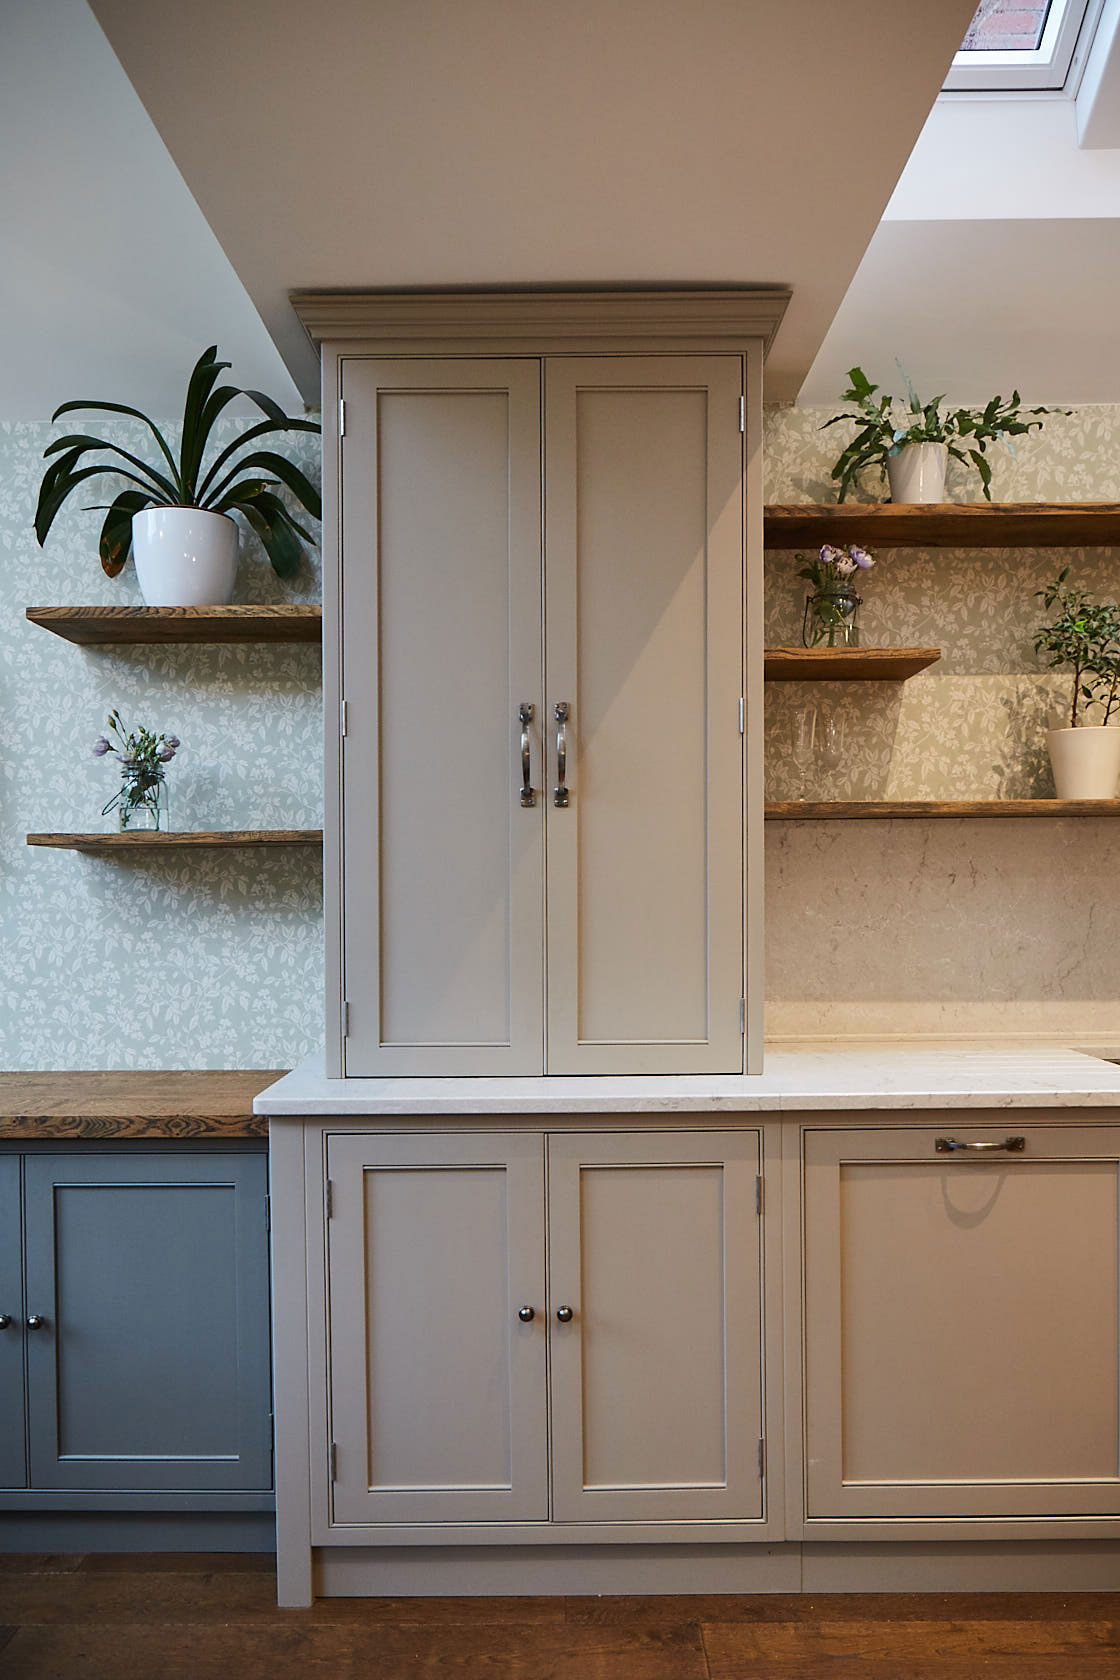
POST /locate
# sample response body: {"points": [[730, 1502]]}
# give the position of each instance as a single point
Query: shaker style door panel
{"points": [[151, 1370], [644, 562], [437, 1386], [441, 647], [656, 1377], [13, 1461], [960, 1339]]}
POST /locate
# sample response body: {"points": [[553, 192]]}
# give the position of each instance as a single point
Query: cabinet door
{"points": [[151, 1370], [442, 918], [656, 1378], [13, 1461], [960, 1337], [437, 1399], [644, 571]]}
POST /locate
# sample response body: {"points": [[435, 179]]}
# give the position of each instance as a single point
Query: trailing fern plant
{"points": [[231, 482], [885, 427]]}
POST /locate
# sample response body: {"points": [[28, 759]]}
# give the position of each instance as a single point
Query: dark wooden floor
{"points": [[187, 1617]]}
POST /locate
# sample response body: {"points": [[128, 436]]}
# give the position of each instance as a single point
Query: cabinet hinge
{"points": [[742, 1016], [268, 1215], [758, 1195], [762, 1458], [345, 1019], [742, 414], [341, 417], [343, 717], [742, 710], [330, 1199], [333, 1456]]}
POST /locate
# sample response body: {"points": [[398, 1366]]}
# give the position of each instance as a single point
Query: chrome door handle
{"points": [[36, 1322], [526, 1314], [565, 1314], [525, 716], [560, 792], [5, 1320], [947, 1145]]}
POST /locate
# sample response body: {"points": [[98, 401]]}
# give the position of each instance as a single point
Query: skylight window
{"points": [[1019, 45]]}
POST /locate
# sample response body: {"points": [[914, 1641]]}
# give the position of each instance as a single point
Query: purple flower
{"points": [[173, 741], [100, 747], [166, 754], [829, 554], [860, 556]]}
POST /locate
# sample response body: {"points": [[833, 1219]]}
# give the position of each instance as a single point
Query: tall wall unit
{"points": [[543, 669]]}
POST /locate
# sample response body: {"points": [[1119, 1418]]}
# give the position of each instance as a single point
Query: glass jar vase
{"points": [[831, 618], [141, 804]]}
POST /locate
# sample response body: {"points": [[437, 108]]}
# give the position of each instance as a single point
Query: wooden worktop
{"points": [[35, 1106]]}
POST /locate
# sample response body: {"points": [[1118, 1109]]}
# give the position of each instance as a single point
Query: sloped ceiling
{"points": [[111, 282], [366, 143]]}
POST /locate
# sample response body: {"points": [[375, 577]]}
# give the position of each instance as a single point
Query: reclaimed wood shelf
{"points": [[800, 664], [170, 840], [946, 525], [103, 1105], [866, 810], [100, 626]]}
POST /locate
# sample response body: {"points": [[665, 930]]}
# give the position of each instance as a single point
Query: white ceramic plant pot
{"points": [[917, 473], [185, 557], [1085, 761]]}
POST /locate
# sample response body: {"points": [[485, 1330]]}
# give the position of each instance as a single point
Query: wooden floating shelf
{"points": [[866, 810], [946, 525], [799, 664], [151, 841], [100, 626]]}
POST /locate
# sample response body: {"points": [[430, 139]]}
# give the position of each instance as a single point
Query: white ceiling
{"points": [[409, 142], [111, 282], [488, 142]]}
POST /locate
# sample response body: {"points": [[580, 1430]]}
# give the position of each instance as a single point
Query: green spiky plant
{"points": [[231, 483], [885, 427]]}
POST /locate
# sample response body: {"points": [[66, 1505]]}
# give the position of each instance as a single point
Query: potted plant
{"points": [[912, 445], [1084, 636], [175, 518], [831, 616]]}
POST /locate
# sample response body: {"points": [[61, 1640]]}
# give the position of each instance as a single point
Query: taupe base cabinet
{"points": [[706, 1352]]}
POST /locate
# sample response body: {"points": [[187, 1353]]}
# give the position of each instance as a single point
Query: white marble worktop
{"points": [[888, 1075]]}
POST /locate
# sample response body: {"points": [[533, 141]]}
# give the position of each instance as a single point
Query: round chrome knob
{"points": [[5, 1320], [565, 1314], [36, 1322], [526, 1314]]}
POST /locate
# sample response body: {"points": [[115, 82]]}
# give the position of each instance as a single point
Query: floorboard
{"points": [[214, 1617]]}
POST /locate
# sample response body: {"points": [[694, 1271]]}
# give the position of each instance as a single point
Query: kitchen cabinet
{"points": [[499, 714], [136, 1283], [529, 1329], [959, 1349], [542, 592]]}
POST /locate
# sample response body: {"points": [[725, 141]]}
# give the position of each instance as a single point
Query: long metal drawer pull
{"points": [[560, 793], [525, 716], [1014, 1145]]}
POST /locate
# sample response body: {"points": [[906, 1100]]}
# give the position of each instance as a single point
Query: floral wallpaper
{"points": [[194, 959], [1007, 926], [214, 959]]}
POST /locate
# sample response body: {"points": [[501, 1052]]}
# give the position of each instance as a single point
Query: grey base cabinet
{"points": [[959, 1351], [555, 1335], [135, 1354]]}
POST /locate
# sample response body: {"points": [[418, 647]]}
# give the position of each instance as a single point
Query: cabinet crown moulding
{"points": [[730, 312]]}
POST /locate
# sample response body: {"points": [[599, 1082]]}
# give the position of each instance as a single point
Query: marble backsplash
{"points": [[950, 927]]}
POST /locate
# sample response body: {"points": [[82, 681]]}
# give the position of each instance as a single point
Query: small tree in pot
{"points": [[177, 504], [1084, 636]]}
